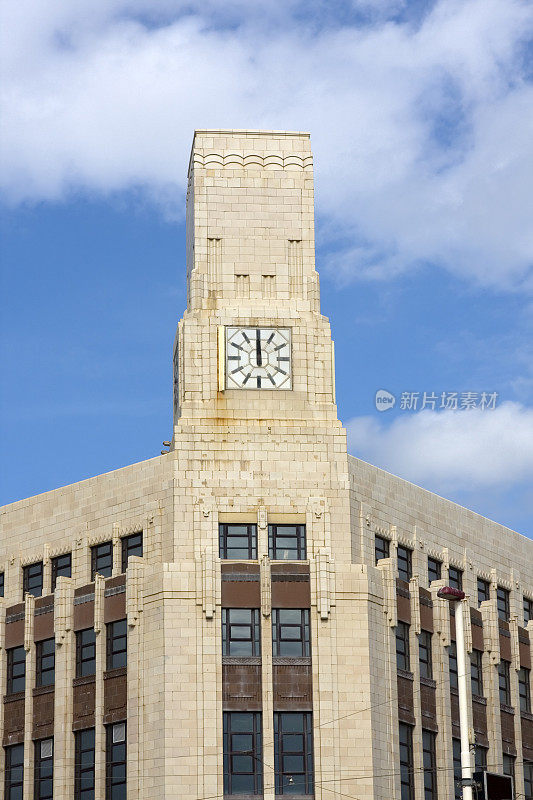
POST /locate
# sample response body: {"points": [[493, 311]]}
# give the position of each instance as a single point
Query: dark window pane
{"points": [[14, 772], [287, 542], [476, 672], [457, 772], [455, 577], [425, 654], [85, 652], [504, 677], [452, 653], [117, 644], [483, 590], [44, 770], [434, 570], [32, 579], [528, 610], [238, 541], [405, 563], [16, 670], [403, 660], [503, 603], [84, 765], [131, 546], [61, 565], [116, 761], [242, 753], [1, 584], [241, 635], [45, 658], [290, 632], [102, 559], [381, 548], [524, 689], [406, 762], [293, 761], [430, 765]]}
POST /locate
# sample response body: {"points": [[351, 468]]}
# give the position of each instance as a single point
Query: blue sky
{"points": [[420, 116]]}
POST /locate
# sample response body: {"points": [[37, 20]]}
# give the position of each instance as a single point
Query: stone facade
{"points": [[263, 458]]}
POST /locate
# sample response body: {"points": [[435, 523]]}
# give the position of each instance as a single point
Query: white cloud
{"points": [[422, 133], [451, 451]]}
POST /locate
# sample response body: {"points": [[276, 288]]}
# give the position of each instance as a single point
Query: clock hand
{"points": [[258, 348]]}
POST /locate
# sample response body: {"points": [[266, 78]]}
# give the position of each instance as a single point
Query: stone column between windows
{"points": [[47, 571], [135, 715], [267, 677], [117, 554], [491, 660], [99, 732], [441, 667], [515, 702], [414, 632], [29, 646], [63, 694], [3, 676]]}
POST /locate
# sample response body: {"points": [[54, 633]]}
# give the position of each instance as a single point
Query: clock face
{"points": [[258, 358]]}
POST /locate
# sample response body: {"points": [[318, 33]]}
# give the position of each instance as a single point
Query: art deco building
{"points": [[255, 612]]}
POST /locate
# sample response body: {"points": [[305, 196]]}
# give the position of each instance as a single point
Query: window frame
{"points": [[509, 764], [11, 663], [80, 658], [114, 650], [504, 682], [381, 548], [96, 555], [528, 610], [9, 784], [503, 603], [429, 761], [283, 727], [57, 569], [455, 577], [528, 780], [232, 731], [457, 768], [480, 758], [45, 662], [434, 567], [230, 642], [452, 662], [304, 639], [407, 782], [224, 535], [28, 578], [113, 749], [2, 584], [275, 532], [524, 689], [403, 648], [483, 590], [127, 544], [476, 672], [42, 764], [404, 556], [425, 654], [82, 771]]}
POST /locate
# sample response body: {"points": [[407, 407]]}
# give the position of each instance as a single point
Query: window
{"points": [[117, 644], [403, 659], [286, 542], [290, 632], [16, 670], [476, 672], [483, 591], [32, 579], [455, 577], [504, 673], [61, 565], [425, 655], [131, 546], [115, 762], [1, 584], [241, 633], [405, 563], [508, 765], [457, 771], [46, 662], [528, 610], [293, 753], [381, 548], [243, 753], [504, 604], [102, 559], [430, 765], [480, 758], [406, 762], [528, 779], [14, 778], [524, 689], [238, 541], [85, 653], [84, 765], [44, 770], [434, 570], [454, 675]]}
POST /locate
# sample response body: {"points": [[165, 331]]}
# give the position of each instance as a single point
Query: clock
{"points": [[258, 358]]}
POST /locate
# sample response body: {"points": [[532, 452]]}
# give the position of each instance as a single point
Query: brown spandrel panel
{"points": [[115, 605], [505, 647], [454, 707], [524, 648], [240, 594], [15, 634], [507, 720], [83, 616], [241, 687], [452, 627], [291, 594], [527, 736], [426, 617], [428, 705], [405, 700], [115, 695], [477, 637], [13, 719], [43, 626], [403, 605], [84, 694], [479, 719], [230, 568], [43, 712], [293, 687]]}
